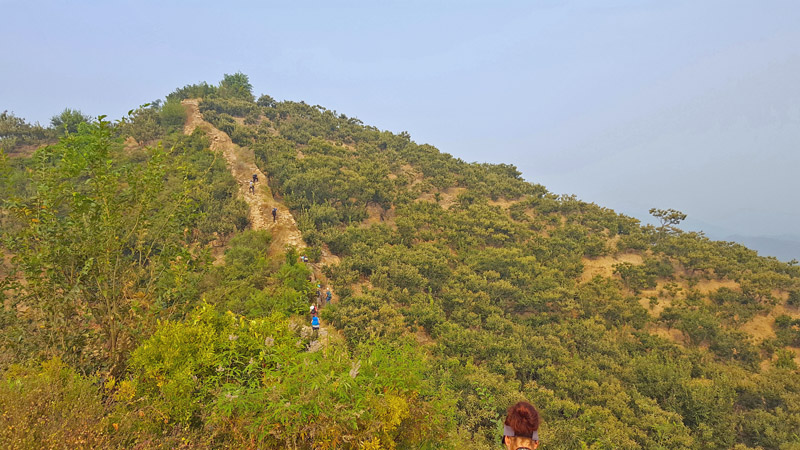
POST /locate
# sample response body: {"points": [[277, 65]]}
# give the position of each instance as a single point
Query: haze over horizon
{"points": [[628, 104]]}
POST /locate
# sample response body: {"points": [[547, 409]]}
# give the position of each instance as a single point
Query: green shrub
{"points": [[144, 125], [635, 276], [16, 131], [222, 372], [68, 121], [199, 90], [794, 298], [236, 85], [173, 116]]}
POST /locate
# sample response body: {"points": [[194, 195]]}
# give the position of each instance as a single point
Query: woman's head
{"points": [[522, 422]]}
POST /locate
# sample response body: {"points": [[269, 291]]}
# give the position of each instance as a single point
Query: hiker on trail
{"points": [[313, 310], [252, 188], [274, 214], [255, 178], [328, 296], [319, 292], [521, 427], [315, 326]]}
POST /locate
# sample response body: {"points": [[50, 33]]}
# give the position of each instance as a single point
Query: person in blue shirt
{"points": [[328, 296], [315, 326]]}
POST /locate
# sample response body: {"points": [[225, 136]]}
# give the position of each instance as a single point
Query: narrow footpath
{"points": [[241, 163]]}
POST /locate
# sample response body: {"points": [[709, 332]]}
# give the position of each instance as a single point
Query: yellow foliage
{"points": [[110, 383], [126, 391], [391, 412], [373, 444], [395, 409]]}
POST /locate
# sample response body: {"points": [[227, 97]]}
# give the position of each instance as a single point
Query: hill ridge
{"points": [[284, 231]]}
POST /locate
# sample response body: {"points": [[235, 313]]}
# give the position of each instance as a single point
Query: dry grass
{"points": [[760, 327], [502, 202], [447, 197], [656, 309], [25, 151], [377, 215], [604, 265], [409, 171], [671, 334], [708, 286]]}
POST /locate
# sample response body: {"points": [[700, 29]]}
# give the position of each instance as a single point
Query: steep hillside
{"points": [[123, 326], [460, 289], [656, 336]]}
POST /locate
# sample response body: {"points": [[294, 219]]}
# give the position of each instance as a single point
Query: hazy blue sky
{"points": [[693, 105]]}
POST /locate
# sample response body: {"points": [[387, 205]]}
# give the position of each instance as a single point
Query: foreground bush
{"points": [[264, 383], [52, 407]]}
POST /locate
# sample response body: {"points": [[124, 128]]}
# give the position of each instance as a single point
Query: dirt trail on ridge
{"points": [[241, 163]]}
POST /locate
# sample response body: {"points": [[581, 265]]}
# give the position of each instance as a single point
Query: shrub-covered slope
{"points": [[125, 326], [627, 336], [461, 289]]}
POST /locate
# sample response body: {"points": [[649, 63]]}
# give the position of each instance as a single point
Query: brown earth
{"points": [[502, 202], [604, 265], [376, 214], [760, 326], [241, 163], [671, 334], [708, 286], [409, 171], [656, 309], [446, 197], [682, 288]]}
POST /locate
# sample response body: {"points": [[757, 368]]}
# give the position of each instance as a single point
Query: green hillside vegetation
{"points": [[461, 288]]}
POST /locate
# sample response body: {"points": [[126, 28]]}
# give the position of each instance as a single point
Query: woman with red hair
{"points": [[521, 430]]}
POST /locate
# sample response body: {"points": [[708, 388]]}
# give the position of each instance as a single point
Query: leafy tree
{"points": [[68, 121], [78, 236], [143, 124], [100, 243], [254, 381], [266, 101], [668, 218], [236, 85], [173, 115], [16, 131]]}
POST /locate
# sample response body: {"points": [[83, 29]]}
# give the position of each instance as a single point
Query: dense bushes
{"points": [[497, 285], [15, 131], [199, 90], [52, 407], [111, 229], [252, 381], [461, 289], [250, 284]]}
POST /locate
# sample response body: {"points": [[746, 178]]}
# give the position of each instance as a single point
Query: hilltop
{"points": [[459, 289]]}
